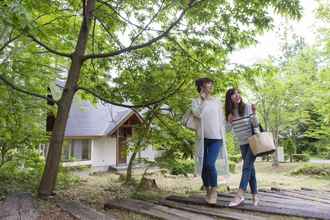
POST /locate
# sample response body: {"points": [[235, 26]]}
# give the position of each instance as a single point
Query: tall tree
{"points": [[87, 39]]}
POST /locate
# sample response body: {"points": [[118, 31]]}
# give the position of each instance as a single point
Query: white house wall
{"points": [[103, 152], [149, 153]]}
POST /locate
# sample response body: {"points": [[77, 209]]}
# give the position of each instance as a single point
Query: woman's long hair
{"points": [[229, 104]]}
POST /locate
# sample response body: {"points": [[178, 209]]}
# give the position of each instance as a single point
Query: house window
{"points": [[76, 150], [125, 132]]}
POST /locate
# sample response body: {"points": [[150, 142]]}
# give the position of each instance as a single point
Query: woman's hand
{"points": [[254, 108], [203, 94], [231, 118]]}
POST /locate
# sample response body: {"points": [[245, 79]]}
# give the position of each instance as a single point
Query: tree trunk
{"points": [[137, 148], [2, 156], [48, 181], [130, 166], [275, 159], [276, 138]]}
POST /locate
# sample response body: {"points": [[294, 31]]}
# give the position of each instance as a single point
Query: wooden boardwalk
{"points": [[274, 204], [19, 206], [22, 206]]}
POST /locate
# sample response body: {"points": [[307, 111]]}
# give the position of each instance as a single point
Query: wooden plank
{"points": [[223, 214], [263, 209], [315, 190], [283, 196], [304, 197], [280, 202], [154, 210], [318, 194], [19, 206], [80, 211], [302, 207], [303, 190], [9, 208]]}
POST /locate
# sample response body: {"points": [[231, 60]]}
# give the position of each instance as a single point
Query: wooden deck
{"points": [[18, 206], [274, 204], [22, 206]]}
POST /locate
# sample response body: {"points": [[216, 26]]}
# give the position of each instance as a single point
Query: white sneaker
{"points": [[212, 196], [237, 201], [255, 201]]}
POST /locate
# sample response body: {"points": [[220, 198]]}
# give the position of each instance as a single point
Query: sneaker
{"points": [[237, 201], [255, 201], [212, 196]]}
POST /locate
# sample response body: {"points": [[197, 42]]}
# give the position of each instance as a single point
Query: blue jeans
{"points": [[248, 170], [209, 172]]}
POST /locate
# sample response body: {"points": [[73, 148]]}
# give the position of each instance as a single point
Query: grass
{"points": [[281, 177]]}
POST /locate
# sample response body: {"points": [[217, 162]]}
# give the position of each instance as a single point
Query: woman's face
{"points": [[236, 97], [208, 87]]}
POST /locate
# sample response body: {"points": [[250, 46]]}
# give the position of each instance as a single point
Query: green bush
{"points": [[313, 170], [300, 157], [232, 166], [325, 155], [182, 167], [24, 172], [235, 158]]}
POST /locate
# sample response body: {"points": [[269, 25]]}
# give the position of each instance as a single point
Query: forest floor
{"points": [[95, 190]]}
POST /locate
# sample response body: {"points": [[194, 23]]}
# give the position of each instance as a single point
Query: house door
{"points": [[123, 134], [122, 151]]}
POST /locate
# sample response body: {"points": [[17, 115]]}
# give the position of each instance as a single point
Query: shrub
{"points": [[300, 157], [182, 167], [325, 155], [235, 158], [23, 173], [313, 170], [232, 166]]}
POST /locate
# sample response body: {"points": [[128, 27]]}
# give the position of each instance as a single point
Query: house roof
{"points": [[86, 119], [90, 120]]}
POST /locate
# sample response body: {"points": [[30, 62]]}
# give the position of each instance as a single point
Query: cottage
{"points": [[97, 135]]}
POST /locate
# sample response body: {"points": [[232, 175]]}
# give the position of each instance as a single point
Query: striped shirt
{"points": [[241, 125]]}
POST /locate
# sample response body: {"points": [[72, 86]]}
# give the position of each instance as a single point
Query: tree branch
{"points": [[132, 106], [48, 48], [116, 40], [11, 85], [148, 43], [125, 20], [8, 42], [147, 25], [189, 55]]}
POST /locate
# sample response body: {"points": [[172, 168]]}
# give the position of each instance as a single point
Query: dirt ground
{"points": [[95, 190]]}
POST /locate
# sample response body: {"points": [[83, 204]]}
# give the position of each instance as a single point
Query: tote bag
{"points": [[190, 121], [261, 143]]}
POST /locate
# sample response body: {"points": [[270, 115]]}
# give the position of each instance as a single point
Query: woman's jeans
{"points": [[248, 171], [209, 172]]}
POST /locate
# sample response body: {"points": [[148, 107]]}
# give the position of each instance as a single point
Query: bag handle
{"points": [[261, 129]]}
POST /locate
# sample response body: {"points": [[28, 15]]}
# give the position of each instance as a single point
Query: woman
{"points": [[211, 130], [240, 117]]}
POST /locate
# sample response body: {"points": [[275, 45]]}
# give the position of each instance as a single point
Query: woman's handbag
{"points": [[261, 143], [190, 121]]}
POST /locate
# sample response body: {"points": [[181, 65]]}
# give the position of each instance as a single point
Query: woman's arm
{"points": [[226, 124], [197, 107], [253, 112]]}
